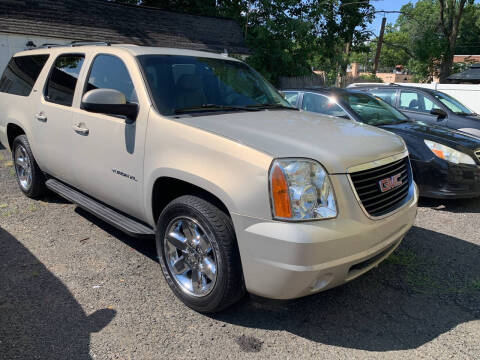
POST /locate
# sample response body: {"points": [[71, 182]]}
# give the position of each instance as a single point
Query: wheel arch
{"points": [[167, 187], [13, 130]]}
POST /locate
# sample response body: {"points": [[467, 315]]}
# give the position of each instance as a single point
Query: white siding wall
{"points": [[12, 43]]}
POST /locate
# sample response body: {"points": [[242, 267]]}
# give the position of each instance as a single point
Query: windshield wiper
{"points": [[271, 106], [464, 113], [212, 107]]}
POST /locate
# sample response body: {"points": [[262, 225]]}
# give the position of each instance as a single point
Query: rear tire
{"points": [[30, 178], [198, 254]]}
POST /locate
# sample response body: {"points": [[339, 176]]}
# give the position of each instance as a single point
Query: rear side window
{"points": [[322, 104], [63, 79], [387, 95], [21, 74], [291, 97], [109, 72]]}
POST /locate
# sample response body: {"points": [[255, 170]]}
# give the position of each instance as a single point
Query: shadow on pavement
{"points": [[452, 205], [424, 290], [2, 147], [145, 247], [428, 286], [39, 317]]}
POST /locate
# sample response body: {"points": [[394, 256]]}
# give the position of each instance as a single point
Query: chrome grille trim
{"points": [[376, 204]]}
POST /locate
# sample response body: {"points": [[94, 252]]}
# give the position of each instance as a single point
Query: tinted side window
{"points": [[291, 97], [109, 72], [63, 79], [410, 100], [387, 95], [429, 105], [21, 74], [322, 104]]}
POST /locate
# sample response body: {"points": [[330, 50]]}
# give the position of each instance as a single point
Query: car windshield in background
{"points": [[452, 104], [372, 110], [186, 84]]}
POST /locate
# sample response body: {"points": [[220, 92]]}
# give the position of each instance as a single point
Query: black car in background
{"points": [[427, 105], [445, 163]]}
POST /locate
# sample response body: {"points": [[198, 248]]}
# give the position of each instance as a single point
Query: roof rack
{"points": [[75, 43]]}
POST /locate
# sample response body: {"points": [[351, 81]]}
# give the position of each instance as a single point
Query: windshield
{"points": [[187, 83], [453, 104], [372, 110]]}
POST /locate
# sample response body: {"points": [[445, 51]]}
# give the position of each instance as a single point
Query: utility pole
{"points": [[379, 45]]}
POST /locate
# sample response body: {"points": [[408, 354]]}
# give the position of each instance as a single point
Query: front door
{"points": [[417, 107], [52, 117], [109, 150]]}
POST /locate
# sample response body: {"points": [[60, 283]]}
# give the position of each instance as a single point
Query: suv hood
{"points": [[336, 143]]}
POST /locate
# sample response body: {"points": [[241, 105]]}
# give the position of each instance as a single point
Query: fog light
{"points": [[321, 282]]}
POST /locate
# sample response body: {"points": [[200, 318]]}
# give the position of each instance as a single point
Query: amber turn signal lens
{"points": [[439, 153], [281, 200]]}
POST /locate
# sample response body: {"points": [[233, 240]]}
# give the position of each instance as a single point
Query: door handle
{"points": [[41, 117], [80, 130]]}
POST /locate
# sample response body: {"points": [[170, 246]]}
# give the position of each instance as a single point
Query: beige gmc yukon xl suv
{"points": [[242, 192]]}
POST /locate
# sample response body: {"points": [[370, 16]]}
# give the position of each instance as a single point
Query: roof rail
{"points": [[75, 43], [84, 43]]}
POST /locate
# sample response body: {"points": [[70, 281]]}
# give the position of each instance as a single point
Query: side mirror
{"points": [[441, 114], [109, 101]]}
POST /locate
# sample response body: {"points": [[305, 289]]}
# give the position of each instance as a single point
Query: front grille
{"points": [[368, 188], [477, 153]]}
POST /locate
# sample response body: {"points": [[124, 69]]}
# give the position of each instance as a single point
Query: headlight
{"points": [[449, 154], [301, 190]]}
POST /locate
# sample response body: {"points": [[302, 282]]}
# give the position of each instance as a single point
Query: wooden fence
{"points": [[308, 81]]}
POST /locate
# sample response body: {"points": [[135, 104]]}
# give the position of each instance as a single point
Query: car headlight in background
{"points": [[301, 190], [449, 154]]}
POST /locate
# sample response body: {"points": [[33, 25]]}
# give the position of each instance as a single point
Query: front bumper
{"points": [[284, 260], [3, 136], [438, 178]]}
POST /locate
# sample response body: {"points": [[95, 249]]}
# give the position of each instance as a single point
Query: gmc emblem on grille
{"points": [[390, 183]]}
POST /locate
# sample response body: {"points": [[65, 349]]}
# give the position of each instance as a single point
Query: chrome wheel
{"points": [[23, 167], [190, 257]]}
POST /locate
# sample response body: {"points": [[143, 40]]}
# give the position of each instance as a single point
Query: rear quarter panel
{"points": [[14, 110], [19, 110]]}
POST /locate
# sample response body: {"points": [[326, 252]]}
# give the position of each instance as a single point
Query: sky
{"points": [[387, 5]]}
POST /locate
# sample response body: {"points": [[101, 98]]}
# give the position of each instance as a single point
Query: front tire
{"points": [[198, 254], [29, 176]]}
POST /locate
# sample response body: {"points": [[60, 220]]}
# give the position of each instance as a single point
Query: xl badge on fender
{"points": [[390, 183]]}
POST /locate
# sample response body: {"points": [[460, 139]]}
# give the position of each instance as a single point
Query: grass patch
{"points": [[3, 206], [12, 172], [8, 163], [476, 284], [426, 275], [1, 157], [31, 207]]}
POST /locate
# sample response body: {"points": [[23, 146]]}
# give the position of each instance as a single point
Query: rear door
{"points": [[110, 152], [52, 116]]}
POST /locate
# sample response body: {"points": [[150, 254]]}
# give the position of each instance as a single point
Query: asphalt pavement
{"points": [[73, 287]]}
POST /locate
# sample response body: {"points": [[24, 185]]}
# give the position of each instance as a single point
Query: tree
{"points": [[433, 27], [450, 16], [341, 29], [288, 37], [468, 41]]}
